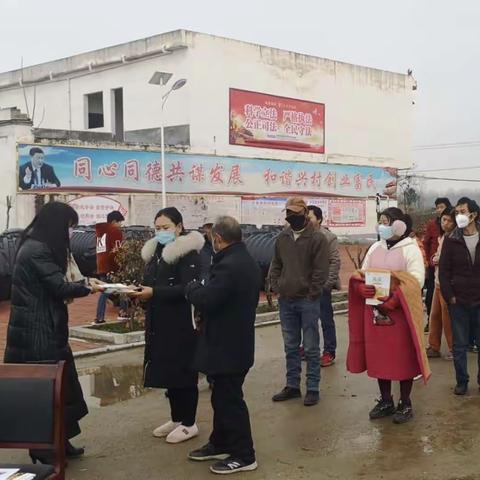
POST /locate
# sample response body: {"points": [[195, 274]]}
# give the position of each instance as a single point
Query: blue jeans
{"points": [[328, 324], [465, 321], [299, 316], [101, 307], [471, 337]]}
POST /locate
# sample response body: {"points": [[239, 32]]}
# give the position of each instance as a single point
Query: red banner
{"points": [[267, 121]]}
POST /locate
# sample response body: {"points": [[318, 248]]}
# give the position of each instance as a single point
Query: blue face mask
{"points": [[165, 236], [385, 232]]}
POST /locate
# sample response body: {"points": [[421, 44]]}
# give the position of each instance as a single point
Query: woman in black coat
{"points": [[172, 259], [38, 325]]}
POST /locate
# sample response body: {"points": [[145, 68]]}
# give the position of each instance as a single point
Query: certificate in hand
{"points": [[117, 288], [380, 279]]}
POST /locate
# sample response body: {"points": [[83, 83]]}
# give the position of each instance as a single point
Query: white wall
{"points": [[368, 111], [64, 104], [22, 212]]}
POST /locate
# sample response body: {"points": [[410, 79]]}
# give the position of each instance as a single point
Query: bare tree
{"points": [[358, 256], [410, 198], [9, 207]]}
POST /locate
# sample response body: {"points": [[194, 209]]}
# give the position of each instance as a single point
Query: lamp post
{"points": [[162, 78]]}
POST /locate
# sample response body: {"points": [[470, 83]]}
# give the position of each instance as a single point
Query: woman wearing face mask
{"points": [[387, 340], [38, 326], [173, 260], [439, 316]]}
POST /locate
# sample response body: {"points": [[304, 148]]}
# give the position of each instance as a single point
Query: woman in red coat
{"points": [[387, 340]]}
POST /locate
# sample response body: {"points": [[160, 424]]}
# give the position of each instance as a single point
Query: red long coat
{"points": [[430, 240]]}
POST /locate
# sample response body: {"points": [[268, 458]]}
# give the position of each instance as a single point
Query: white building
{"points": [[100, 97]]}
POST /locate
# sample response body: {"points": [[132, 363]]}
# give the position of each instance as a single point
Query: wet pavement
{"points": [[333, 440], [106, 385]]}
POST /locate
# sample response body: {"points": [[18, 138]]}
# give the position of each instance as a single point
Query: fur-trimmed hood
{"points": [[172, 252]]}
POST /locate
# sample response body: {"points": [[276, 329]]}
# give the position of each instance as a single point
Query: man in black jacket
{"points": [[36, 173], [226, 346], [459, 274]]}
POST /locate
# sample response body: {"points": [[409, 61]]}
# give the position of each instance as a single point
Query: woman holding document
{"points": [[172, 261], [386, 315], [45, 280]]}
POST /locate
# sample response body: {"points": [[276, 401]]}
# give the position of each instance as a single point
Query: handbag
{"points": [[73, 274]]}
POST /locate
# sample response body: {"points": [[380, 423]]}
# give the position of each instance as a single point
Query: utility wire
{"points": [[442, 169], [441, 146], [445, 179]]}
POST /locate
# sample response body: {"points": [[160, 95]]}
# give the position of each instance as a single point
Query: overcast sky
{"points": [[438, 39]]}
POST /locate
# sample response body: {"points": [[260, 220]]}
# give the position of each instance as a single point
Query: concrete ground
{"points": [[333, 440]]}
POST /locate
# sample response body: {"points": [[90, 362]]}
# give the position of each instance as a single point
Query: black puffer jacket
{"points": [[38, 326], [459, 276], [170, 339]]}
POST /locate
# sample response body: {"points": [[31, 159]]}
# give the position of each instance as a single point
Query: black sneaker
{"points": [[460, 389], [404, 413], [286, 394], [207, 452], [311, 398], [383, 408], [233, 465]]}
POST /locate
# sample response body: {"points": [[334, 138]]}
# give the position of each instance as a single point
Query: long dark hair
{"points": [[50, 226], [172, 214]]}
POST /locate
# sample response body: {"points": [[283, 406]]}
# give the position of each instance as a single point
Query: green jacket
{"points": [[300, 268]]}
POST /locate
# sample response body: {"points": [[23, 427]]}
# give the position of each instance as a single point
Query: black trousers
{"points": [[231, 422], [429, 288], [183, 404]]}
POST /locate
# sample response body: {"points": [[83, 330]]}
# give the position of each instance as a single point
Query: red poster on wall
{"points": [[267, 121], [347, 213]]}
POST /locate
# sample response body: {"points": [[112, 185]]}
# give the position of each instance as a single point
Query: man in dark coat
{"points": [[459, 274], [226, 346], [36, 173]]}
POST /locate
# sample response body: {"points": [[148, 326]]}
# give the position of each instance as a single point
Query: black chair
{"points": [[32, 414]]}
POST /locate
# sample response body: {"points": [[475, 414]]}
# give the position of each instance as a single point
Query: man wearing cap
{"points": [[298, 273]]}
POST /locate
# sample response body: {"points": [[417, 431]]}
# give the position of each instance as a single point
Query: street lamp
{"points": [[162, 78]]}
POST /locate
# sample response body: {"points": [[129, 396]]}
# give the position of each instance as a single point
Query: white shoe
{"points": [[165, 429], [182, 433]]}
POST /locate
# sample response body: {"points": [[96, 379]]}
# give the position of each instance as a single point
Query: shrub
{"points": [[130, 272]]}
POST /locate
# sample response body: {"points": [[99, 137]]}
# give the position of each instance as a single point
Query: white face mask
{"points": [[462, 220]]}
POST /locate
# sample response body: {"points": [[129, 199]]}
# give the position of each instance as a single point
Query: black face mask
{"points": [[297, 221]]}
